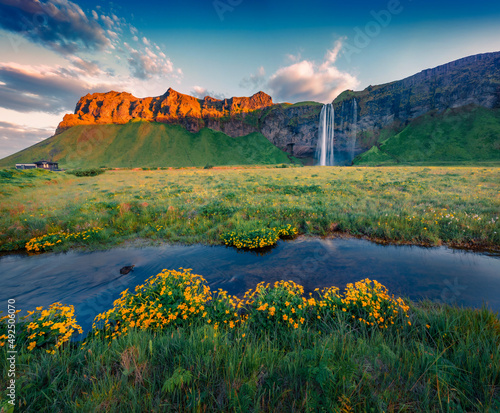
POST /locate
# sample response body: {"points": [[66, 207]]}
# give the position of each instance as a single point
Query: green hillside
{"points": [[465, 135], [144, 144]]}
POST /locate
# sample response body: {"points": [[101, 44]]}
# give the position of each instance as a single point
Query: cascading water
{"points": [[342, 121], [354, 127], [326, 136]]}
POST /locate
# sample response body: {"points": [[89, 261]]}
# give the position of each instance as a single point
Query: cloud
{"points": [[112, 34], [60, 25], [14, 137], [27, 88], [108, 21], [90, 68], [294, 58], [254, 81], [97, 59], [146, 64], [306, 80], [200, 92]]}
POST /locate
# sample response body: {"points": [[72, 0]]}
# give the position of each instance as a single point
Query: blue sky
{"points": [[54, 51]]}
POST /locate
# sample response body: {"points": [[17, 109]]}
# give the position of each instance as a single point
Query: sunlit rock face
{"points": [[172, 107]]}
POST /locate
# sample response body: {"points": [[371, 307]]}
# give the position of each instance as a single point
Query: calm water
{"points": [[92, 281]]}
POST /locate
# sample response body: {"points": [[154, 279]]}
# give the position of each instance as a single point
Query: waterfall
{"points": [[326, 138], [354, 128], [342, 121]]}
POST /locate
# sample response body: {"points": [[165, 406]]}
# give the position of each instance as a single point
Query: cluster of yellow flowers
{"points": [[280, 306], [259, 238], [287, 231], [168, 298], [48, 329], [4, 322], [369, 303], [48, 241], [225, 310], [180, 298]]}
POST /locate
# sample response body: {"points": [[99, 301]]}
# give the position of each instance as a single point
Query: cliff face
{"points": [[473, 80], [292, 128], [281, 124], [367, 115], [172, 107]]}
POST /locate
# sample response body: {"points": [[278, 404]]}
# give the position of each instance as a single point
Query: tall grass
{"points": [[428, 206]]}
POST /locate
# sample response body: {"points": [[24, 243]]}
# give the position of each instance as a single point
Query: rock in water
{"points": [[125, 270]]}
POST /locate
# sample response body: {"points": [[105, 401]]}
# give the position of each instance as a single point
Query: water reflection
{"points": [[92, 281]]}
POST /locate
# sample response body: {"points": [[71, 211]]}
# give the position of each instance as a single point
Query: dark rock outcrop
{"points": [[292, 128]]}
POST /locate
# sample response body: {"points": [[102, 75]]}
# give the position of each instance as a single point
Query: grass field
{"points": [[458, 206]]}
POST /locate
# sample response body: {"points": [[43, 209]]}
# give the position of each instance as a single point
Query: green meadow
{"points": [[459, 136], [456, 206], [148, 144]]}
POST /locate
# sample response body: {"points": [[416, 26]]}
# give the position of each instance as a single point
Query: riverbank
{"points": [[454, 206], [362, 350]]}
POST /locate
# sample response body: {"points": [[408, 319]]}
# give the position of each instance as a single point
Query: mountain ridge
{"points": [[171, 107]]}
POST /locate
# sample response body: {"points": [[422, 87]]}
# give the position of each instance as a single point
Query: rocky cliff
{"points": [[171, 107], [369, 116], [474, 80], [292, 128]]}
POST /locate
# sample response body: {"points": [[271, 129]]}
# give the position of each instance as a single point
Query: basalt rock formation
{"points": [[171, 107], [387, 108], [292, 128]]}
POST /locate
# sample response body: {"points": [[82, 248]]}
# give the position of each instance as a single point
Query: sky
{"points": [[52, 52]]}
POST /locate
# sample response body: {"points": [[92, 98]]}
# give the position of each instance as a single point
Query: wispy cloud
{"points": [[59, 25], [308, 80], [27, 88], [14, 137], [254, 81], [145, 64], [62, 26], [107, 21], [200, 92]]}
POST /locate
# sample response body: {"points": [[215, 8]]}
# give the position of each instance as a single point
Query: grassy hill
{"points": [[465, 135], [144, 144]]}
